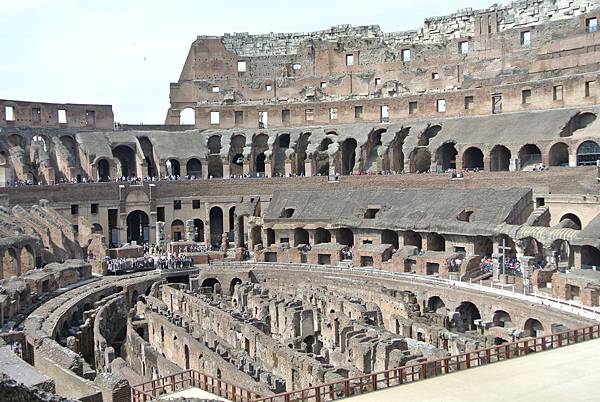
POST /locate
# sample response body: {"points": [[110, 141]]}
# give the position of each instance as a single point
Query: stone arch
{"points": [[501, 319], [233, 283], [563, 253], [322, 236], [301, 146], [436, 242], [348, 155], [322, 157], [428, 134], [412, 238], [558, 155], [187, 116], [127, 162], [10, 264], [16, 140], [301, 236], [390, 237], [198, 230], [212, 283], [533, 328], [172, 167], [103, 170], [588, 153], [420, 160], [435, 304], [473, 158], [259, 146], [529, 155], [42, 141], [578, 122], [467, 314], [256, 235], [446, 156], [214, 145], [216, 226], [97, 228], [590, 257], [574, 221], [70, 145], [148, 152], [177, 230], [395, 155], [500, 159], [345, 236], [138, 227], [281, 144], [532, 247], [370, 154], [193, 167], [26, 259], [236, 155]]}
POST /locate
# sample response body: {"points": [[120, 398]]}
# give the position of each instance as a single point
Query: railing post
{"points": [[374, 381], [347, 388]]}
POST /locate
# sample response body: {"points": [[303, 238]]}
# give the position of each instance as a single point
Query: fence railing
{"points": [[420, 371], [153, 390], [567, 306]]}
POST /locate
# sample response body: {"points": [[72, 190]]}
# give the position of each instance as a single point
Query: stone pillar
{"points": [[226, 172], [205, 169], [246, 166], [308, 168], [331, 166], [572, 160], [527, 268], [160, 234], [576, 257], [189, 230], [182, 169], [288, 167], [268, 168]]}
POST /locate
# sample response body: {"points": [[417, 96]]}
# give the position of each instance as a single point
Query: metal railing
{"points": [[153, 390], [567, 306], [423, 370]]}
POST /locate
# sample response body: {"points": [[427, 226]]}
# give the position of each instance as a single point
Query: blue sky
{"points": [[126, 53]]}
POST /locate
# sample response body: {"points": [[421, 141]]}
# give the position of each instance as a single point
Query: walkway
{"points": [[569, 374]]}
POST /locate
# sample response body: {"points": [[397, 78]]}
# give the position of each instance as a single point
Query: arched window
{"points": [[588, 153]]}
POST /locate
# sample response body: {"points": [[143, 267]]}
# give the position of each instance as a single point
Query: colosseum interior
{"points": [[322, 215]]}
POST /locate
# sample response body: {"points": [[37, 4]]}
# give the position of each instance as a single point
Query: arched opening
{"points": [[282, 143], [532, 248], [301, 156], [301, 237], [236, 157], [270, 237], [259, 146], [446, 156], [412, 238], [172, 167], [473, 159], [571, 221], [177, 230], [390, 237], [187, 117], [27, 259], [428, 134], [322, 157], [231, 219], [97, 228], [562, 253], [41, 141], [345, 236], [198, 230], [501, 319], [371, 153], [436, 242], [588, 153], [148, 151], [500, 159], [436, 305], [559, 155], [233, 284], [70, 145], [138, 227], [529, 156], [578, 122], [103, 170], [212, 283], [193, 168], [214, 145], [322, 236], [260, 163], [420, 160], [590, 257], [348, 156], [395, 160], [186, 352], [215, 167], [483, 246], [468, 313], [533, 328], [126, 157], [256, 235], [216, 226]]}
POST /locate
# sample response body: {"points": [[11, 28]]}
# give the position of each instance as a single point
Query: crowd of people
{"points": [[122, 265]]}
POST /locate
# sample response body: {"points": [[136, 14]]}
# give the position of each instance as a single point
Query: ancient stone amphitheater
{"points": [[322, 215]]}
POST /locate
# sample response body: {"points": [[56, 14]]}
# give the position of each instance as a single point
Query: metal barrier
{"points": [[153, 390], [562, 305], [420, 371]]}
